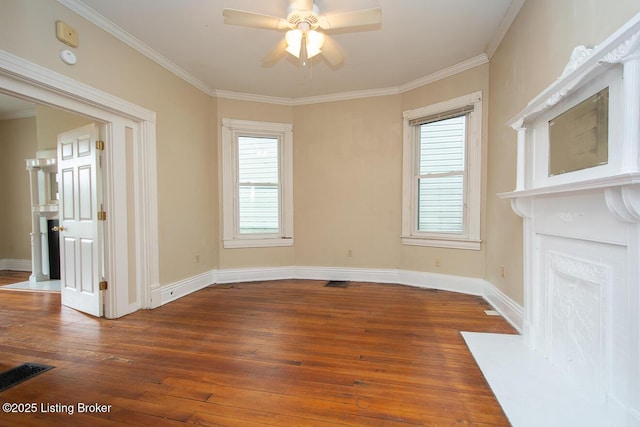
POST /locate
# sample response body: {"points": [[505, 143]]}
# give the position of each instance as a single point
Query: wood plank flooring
{"points": [[7, 277], [284, 353]]}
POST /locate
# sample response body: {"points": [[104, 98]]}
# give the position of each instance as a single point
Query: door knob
{"points": [[57, 228]]}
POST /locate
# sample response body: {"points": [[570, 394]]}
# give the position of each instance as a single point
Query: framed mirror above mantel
{"points": [[578, 192]]}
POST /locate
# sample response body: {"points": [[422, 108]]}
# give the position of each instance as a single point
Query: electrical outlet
{"points": [[349, 253], [197, 259], [502, 270], [437, 262]]}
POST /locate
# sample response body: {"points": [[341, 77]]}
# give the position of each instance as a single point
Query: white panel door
{"points": [[80, 187]]}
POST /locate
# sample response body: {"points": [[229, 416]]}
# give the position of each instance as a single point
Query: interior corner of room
{"points": [[540, 192]]}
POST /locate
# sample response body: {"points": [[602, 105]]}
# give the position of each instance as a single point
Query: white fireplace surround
{"points": [[582, 232]]}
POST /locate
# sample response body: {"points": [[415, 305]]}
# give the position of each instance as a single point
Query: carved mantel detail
{"points": [[581, 227], [627, 50], [624, 202]]}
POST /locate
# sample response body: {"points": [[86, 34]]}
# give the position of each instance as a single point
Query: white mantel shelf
{"points": [[620, 180], [579, 197]]}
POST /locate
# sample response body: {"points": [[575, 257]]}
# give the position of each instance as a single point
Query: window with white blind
{"points": [[441, 176], [257, 184]]}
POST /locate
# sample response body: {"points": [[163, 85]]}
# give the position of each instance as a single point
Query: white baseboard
{"points": [[181, 288], [508, 308], [465, 285], [15, 264], [258, 274]]}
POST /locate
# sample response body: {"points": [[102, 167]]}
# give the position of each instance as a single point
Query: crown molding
{"points": [[370, 93], [446, 72], [100, 21], [508, 19], [342, 96], [345, 96], [240, 96], [94, 17]]}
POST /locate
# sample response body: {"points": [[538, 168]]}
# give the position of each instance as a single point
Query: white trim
{"points": [[15, 264], [257, 274], [508, 19], [470, 237], [100, 21], [66, 91], [508, 308], [30, 81], [257, 243], [465, 65], [360, 94], [240, 96], [453, 243], [346, 96], [231, 128], [185, 287], [119, 33], [427, 280], [584, 64]]}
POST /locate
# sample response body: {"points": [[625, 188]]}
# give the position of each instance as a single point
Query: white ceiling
{"points": [[417, 39]]}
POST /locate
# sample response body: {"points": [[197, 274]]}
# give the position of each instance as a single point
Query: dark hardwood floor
{"points": [[286, 353]]}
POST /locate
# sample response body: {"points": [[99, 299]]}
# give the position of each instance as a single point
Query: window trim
{"points": [[470, 237], [231, 236]]}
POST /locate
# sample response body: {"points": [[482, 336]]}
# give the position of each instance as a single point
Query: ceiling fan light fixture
{"points": [[294, 42], [313, 41]]}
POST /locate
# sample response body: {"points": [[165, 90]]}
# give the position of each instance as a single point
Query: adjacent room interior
{"points": [[303, 213]]}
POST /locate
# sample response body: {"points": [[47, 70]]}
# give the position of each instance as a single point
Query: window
{"points": [[441, 174], [257, 184]]}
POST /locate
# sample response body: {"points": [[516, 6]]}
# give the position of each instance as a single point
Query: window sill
{"points": [[452, 243], [257, 243]]}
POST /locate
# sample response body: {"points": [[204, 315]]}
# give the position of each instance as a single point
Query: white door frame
{"points": [[24, 79]]}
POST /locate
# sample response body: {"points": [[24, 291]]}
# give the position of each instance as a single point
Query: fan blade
{"points": [[256, 20], [332, 52], [275, 54], [357, 18]]}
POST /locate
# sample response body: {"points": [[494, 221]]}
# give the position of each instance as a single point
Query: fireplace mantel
{"points": [[581, 226]]}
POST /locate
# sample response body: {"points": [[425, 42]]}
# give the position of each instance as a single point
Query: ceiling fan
{"points": [[303, 24]]}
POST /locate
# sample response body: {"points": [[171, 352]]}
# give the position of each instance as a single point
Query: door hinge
{"points": [[100, 145], [102, 285], [102, 216]]}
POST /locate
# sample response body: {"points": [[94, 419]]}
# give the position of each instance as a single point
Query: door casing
{"points": [[133, 274]]}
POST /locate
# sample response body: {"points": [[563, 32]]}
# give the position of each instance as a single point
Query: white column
{"points": [[631, 114], [36, 236], [521, 154]]}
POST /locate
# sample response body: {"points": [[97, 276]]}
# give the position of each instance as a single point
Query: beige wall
{"points": [[452, 261], [348, 182], [52, 121], [18, 141], [186, 155], [347, 160], [531, 56], [347, 154], [257, 111]]}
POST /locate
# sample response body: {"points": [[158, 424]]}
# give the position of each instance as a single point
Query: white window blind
{"points": [[441, 175], [258, 185]]}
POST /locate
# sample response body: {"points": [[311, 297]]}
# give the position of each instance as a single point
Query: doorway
{"points": [[130, 233]]}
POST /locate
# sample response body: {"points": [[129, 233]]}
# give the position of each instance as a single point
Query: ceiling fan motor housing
{"points": [[304, 20]]}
